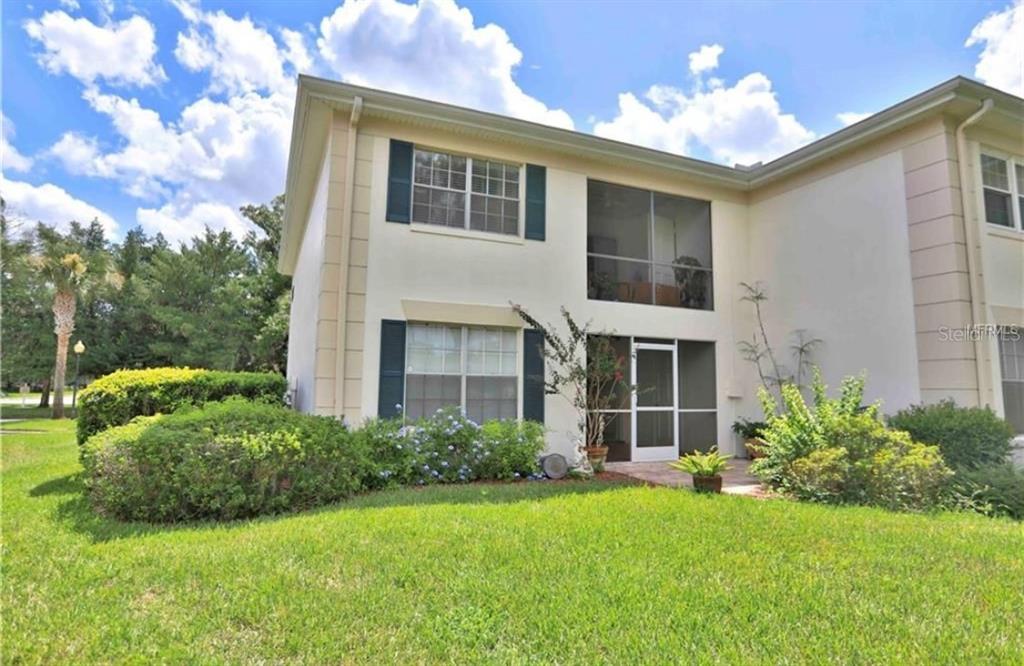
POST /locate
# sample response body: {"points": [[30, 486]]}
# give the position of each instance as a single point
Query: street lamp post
{"points": [[79, 350]]}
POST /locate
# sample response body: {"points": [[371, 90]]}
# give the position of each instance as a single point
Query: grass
{"points": [[529, 572]]}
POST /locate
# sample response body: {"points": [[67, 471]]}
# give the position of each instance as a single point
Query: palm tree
{"points": [[70, 275]]}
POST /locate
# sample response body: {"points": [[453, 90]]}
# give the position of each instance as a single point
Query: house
{"points": [[410, 226]]}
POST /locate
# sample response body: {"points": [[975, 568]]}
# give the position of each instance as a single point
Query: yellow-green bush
{"points": [[837, 451], [117, 398]]}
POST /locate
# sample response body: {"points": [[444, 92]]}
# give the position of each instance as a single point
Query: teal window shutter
{"points": [[399, 181], [533, 375], [536, 198], [391, 390]]}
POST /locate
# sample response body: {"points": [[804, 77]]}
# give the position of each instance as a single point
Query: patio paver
{"points": [[735, 481]]}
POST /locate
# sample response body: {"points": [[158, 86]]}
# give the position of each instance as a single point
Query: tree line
{"points": [[215, 302]]}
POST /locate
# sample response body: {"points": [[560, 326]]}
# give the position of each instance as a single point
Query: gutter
{"points": [[977, 312]]}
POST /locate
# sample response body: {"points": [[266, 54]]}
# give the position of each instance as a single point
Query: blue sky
{"points": [[172, 114]]}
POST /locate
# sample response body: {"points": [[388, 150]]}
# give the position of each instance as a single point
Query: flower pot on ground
{"points": [[751, 431], [755, 447], [707, 484], [705, 468], [597, 456]]}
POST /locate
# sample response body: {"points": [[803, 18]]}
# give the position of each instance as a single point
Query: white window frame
{"points": [[464, 363], [1012, 163], [521, 208]]}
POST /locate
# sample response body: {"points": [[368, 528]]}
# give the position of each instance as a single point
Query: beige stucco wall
{"points": [[865, 251], [304, 317], [833, 254], [942, 294], [413, 263]]}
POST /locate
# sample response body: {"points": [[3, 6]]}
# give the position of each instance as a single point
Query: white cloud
{"points": [[119, 53], [239, 55], [295, 50], [705, 59], [70, 5], [181, 224], [225, 153], [431, 49], [51, 205], [10, 158], [739, 124], [78, 154], [1001, 61], [848, 118]]}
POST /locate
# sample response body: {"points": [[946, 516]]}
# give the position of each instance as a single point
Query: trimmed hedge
{"points": [[238, 459], [117, 398], [224, 460], [968, 437]]}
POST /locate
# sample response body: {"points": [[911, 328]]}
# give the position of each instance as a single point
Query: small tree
{"points": [[583, 368], [68, 275], [759, 351]]}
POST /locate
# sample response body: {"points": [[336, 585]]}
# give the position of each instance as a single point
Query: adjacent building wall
{"points": [[833, 255]]}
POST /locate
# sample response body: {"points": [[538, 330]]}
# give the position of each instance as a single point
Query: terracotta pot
{"points": [[707, 484], [597, 455], [755, 448]]}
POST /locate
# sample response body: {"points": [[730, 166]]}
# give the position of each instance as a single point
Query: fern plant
{"points": [[704, 465]]}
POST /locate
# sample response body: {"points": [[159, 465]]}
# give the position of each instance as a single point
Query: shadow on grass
{"points": [[77, 513]]}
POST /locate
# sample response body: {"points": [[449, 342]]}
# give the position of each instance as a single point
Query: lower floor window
{"points": [[1011, 359], [461, 366]]}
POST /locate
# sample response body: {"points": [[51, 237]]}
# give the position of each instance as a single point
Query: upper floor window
{"points": [[648, 247], [1003, 188], [443, 182]]}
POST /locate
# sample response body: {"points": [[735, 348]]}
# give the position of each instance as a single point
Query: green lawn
{"points": [[531, 572]]}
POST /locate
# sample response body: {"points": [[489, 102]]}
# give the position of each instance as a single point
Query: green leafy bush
{"points": [[838, 451], [120, 396], [447, 447], [224, 460], [996, 490], [967, 436]]}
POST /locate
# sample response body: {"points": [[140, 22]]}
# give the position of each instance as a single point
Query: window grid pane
{"points": [[993, 173], [494, 202], [439, 189]]}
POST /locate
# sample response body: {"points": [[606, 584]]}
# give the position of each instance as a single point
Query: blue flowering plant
{"points": [[448, 447]]}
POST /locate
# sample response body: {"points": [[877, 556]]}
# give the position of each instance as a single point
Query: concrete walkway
{"points": [[735, 481]]}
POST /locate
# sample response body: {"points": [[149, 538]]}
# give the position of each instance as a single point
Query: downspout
{"points": [[970, 237]]}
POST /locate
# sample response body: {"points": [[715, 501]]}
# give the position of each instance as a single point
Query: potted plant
{"points": [[584, 367], [706, 469], [751, 431]]}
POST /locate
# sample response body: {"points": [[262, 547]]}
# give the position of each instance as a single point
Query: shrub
{"points": [[996, 490], [840, 452], [225, 460], [967, 436], [447, 447], [120, 396]]}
